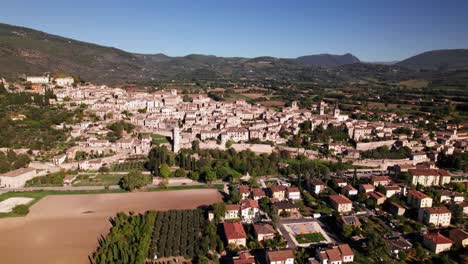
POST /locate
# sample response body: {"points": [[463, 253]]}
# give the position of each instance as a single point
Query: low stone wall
{"points": [[382, 164], [363, 146], [257, 148]]}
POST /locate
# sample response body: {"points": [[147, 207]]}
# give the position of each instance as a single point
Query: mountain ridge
{"points": [[443, 59], [29, 51]]}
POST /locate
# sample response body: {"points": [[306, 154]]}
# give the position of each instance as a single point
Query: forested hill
{"points": [[28, 51], [455, 59], [328, 60]]}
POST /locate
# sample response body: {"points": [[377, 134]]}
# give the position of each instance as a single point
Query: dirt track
{"points": [[65, 228]]}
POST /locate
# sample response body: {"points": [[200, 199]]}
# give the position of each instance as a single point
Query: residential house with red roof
{"points": [[317, 186], [243, 257], [429, 177], [459, 237], [349, 190], [396, 209], [232, 212], [244, 191], [366, 188], [438, 216], [249, 210], [264, 232], [277, 192], [380, 180], [258, 193], [377, 197], [293, 193], [341, 203], [282, 256], [235, 234], [336, 254], [288, 207], [391, 190], [417, 199], [437, 243]]}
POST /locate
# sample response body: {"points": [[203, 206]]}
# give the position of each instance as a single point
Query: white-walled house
{"points": [[17, 178]]}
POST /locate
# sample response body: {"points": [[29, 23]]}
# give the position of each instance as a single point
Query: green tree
{"points": [[210, 176], [165, 170], [219, 210], [180, 173], [133, 180]]}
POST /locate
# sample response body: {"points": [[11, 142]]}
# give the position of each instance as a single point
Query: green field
{"points": [[157, 139], [309, 238]]}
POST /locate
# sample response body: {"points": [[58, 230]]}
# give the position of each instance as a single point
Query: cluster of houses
{"points": [[247, 212], [378, 189], [199, 117]]}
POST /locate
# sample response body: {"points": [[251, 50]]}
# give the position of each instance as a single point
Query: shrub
{"points": [[21, 209]]}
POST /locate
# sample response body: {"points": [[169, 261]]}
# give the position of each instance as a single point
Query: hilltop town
{"points": [[301, 185]]}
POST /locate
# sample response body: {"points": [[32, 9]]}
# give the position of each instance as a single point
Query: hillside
{"points": [[328, 60], [28, 51], [455, 59]]}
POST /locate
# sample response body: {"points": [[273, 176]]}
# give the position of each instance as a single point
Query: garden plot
{"points": [[7, 205]]}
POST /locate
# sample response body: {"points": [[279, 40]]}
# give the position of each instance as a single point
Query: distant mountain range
{"points": [[28, 51]]}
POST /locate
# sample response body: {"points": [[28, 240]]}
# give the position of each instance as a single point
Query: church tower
{"points": [[322, 108], [336, 111], [176, 139]]}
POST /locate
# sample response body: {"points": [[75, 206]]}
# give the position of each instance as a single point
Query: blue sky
{"points": [[373, 30]]}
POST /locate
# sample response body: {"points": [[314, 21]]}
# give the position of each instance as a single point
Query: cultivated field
{"points": [[66, 228]]}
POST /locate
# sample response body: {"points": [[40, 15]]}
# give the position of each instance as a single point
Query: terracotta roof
{"points": [[428, 172], [367, 187], [339, 199], [349, 188], [392, 188], [316, 182], [232, 207], [377, 195], [249, 203], [258, 192], [437, 210], [234, 230], [346, 250], [438, 239], [280, 188], [244, 189], [243, 258], [380, 178], [293, 189], [263, 229], [285, 205], [338, 180], [417, 194], [280, 255], [396, 205], [458, 235], [333, 254]]}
